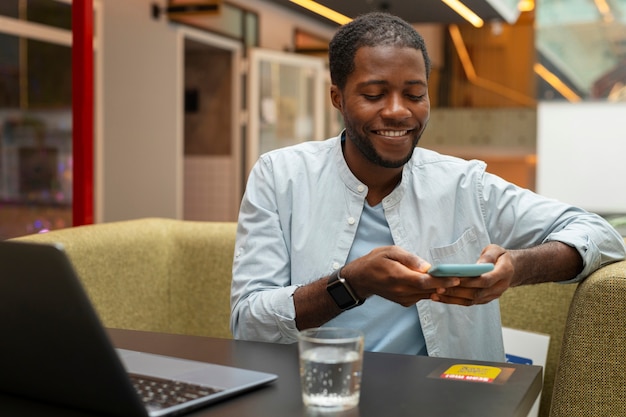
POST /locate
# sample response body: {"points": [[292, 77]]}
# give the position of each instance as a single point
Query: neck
{"points": [[380, 181]]}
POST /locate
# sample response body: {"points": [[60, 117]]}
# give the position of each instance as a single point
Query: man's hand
{"points": [[487, 287], [548, 262], [390, 272], [395, 274]]}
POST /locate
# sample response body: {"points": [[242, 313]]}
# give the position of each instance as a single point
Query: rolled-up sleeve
{"points": [[597, 242], [521, 218]]}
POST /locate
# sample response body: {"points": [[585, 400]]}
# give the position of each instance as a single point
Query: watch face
{"points": [[342, 297]]}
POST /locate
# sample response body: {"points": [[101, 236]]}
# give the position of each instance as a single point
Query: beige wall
{"points": [[140, 164], [140, 158]]}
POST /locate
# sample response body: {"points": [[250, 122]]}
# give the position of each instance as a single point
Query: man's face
{"points": [[385, 104]]}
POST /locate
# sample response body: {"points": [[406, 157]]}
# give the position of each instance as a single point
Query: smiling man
{"points": [[342, 232]]}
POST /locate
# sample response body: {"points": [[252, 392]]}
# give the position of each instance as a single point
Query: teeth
{"points": [[393, 132]]}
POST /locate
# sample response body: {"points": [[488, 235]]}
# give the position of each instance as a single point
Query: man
{"points": [[343, 232]]}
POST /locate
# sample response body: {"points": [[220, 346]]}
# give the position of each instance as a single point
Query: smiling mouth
{"points": [[392, 133]]}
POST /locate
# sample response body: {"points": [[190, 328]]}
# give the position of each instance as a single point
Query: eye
{"points": [[372, 97], [416, 98]]}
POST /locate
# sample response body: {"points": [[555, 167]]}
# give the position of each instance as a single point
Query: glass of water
{"points": [[331, 360]]}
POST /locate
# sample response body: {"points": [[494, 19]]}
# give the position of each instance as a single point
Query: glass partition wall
{"points": [[287, 99], [492, 84], [581, 50], [35, 116], [581, 63]]}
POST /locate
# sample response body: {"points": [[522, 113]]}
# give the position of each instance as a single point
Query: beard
{"points": [[365, 146]]}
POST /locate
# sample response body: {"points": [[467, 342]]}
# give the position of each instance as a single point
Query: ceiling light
{"points": [[556, 83], [526, 5], [323, 11], [464, 11], [605, 10]]}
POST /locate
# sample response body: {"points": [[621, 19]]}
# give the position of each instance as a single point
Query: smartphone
{"points": [[460, 270]]}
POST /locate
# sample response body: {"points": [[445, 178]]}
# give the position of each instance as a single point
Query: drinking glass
{"points": [[331, 361]]}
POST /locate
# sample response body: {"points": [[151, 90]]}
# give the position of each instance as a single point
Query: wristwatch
{"points": [[341, 292]]}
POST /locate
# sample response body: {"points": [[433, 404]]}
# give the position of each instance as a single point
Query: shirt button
{"points": [[360, 188], [351, 220], [336, 266]]}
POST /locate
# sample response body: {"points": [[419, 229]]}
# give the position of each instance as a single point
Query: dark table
{"points": [[393, 385]]}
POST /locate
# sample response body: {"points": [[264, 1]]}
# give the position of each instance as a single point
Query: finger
{"points": [[491, 253], [482, 281], [417, 263], [467, 296], [441, 283], [446, 299], [408, 259], [462, 301], [461, 293]]}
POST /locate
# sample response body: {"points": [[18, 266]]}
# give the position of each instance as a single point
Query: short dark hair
{"points": [[371, 29]]}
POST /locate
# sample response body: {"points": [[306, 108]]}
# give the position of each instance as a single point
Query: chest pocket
{"points": [[466, 249]]}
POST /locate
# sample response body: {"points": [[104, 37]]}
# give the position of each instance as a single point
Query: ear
{"points": [[336, 97]]}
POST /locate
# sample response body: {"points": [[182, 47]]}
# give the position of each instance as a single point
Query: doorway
{"points": [[211, 129]]}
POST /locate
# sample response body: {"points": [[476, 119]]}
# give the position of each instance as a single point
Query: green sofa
{"points": [[543, 309], [585, 372], [154, 274], [173, 276]]}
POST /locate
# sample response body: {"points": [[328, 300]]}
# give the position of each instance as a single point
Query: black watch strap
{"points": [[342, 292]]}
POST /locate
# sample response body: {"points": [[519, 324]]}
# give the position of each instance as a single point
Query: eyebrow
{"points": [[383, 82]]}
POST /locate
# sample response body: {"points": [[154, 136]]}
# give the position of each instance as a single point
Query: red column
{"points": [[82, 112]]}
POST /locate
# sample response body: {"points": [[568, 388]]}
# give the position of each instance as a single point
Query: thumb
{"points": [[419, 264], [408, 259]]}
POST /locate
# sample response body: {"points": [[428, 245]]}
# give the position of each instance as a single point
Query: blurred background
{"points": [[187, 94]]}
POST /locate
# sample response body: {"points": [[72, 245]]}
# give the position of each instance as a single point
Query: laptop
{"points": [[53, 347]]}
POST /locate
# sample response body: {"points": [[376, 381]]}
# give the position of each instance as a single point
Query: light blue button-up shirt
{"points": [[301, 210]]}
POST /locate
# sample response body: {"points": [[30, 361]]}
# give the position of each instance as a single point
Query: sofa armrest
{"points": [[591, 375], [203, 261]]}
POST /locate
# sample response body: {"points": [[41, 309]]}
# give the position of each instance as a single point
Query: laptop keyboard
{"points": [[158, 393]]}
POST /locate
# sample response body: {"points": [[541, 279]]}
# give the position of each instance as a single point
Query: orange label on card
{"points": [[476, 373]]}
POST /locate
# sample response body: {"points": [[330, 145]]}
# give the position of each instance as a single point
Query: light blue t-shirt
{"points": [[389, 327]]}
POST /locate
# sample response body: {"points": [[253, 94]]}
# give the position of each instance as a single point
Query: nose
{"points": [[395, 107]]}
